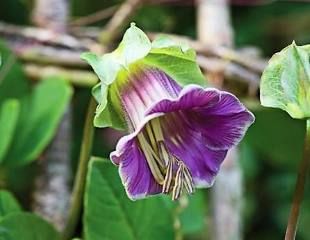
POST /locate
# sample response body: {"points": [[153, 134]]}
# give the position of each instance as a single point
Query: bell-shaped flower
{"points": [[178, 131]]}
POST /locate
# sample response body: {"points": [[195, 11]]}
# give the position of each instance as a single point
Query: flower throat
{"points": [[167, 169]]}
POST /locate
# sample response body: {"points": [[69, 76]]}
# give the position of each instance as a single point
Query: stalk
{"points": [[299, 188], [80, 178]]}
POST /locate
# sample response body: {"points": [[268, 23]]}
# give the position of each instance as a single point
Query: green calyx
{"points": [[286, 81], [137, 51]]}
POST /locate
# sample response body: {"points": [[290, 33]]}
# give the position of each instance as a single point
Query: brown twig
{"points": [[231, 71], [94, 17], [50, 55], [121, 17], [257, 65], [79, 78], [73, 43], [39, 46], [42, 35]]}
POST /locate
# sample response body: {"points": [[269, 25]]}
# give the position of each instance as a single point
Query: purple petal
{"points": [[203, 162], [217, 115], [134, 170]]}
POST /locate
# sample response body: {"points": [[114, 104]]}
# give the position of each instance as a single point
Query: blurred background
{"points": [[47, 117]]}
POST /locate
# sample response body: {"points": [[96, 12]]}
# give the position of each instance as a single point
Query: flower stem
{"points": [[79, 182], [299, 189]]}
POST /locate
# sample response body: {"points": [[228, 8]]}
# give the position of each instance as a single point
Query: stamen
{"points": [[163, 153], [151, 136], [178, 185], [168, 178], [188, 180], [157, 129], [154, 155], [156, 172], [162, 162]]}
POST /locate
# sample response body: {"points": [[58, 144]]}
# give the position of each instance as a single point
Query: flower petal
{"points": [[203, 162], [219, 116], [134, 170]]}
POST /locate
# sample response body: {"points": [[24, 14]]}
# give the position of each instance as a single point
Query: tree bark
{"points": [[214, 29], [52, 193]]}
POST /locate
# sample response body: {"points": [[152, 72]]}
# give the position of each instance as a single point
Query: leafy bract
{"points": [[176, 60], [286, 82], [109, 214], [40, 114], [26, 226]]}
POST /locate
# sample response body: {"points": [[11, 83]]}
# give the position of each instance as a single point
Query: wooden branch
{"points": [[41, 35], [254, 64], [214, 28], [121, 17], [50, 55], [231, 71], [42, 46], [226, 199], [51, 14], [52, 192], [94, 17], [79, 78]]}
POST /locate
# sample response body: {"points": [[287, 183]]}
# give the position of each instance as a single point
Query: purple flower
{"points": [[178, 137]]}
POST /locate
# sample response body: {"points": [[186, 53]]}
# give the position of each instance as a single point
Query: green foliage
{"points": [[278, 23], [27, 123], [269, 154], [109, 214], [8, 204], [39, 117], [276, 136], [286, 82], [177, 60], [9, 112], [193, 217], [13, 82], [26, 226], [14, 11]]}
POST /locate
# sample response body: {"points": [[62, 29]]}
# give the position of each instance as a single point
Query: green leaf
{"points": [[8, 204], [13, 82], [280, 143], [109, 214], [8, 118], [286, 82], [26, 226], [193, 216], [39, 118]]}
